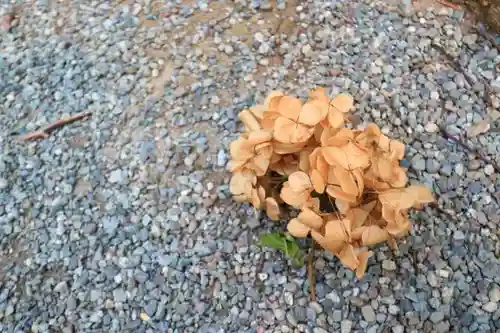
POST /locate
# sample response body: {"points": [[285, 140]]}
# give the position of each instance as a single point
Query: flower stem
{"points": [[310, 271]]}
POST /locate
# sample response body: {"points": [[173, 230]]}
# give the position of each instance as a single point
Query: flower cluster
{"points": [[348, 183]]}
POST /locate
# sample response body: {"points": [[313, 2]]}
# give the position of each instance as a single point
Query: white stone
{"points": [[307, 50], [489, 170], [490, 307], [431, 127]]}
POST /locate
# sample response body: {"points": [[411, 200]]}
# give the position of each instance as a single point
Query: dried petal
{"points": [[242, 183], [336, 192], [398, 229], [258, 111], [310, 114], [254, 199], [421, 193], [241, 149], [268, 119], [289, 107], [336, 119], [342, 103], [348, 257], [397, 150], [294, 199], [346, 181], [363, 263], [249, 120], [310, 218], [299, 181], [341, 138], [373, 234], [317, 181], [304, 160], [284, 130], [301, 133], [335, 231], [272, 209], [272, 101], [262, 193], [332, 246], [297, 228], [257, 137]]}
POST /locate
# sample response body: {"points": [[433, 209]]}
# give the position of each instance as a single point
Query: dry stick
{"points": [[448, 4], [482, 31], [44, 133], [456, 66], [470, 149], [310, 271]]}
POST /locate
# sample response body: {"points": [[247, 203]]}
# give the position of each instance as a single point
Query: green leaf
{"points": [[285, 243], [289, 237], [274, 240], [294, 252]]}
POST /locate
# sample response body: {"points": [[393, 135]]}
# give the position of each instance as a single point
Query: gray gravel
{"points": [[122, 222]]}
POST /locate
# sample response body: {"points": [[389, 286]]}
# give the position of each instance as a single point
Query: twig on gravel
{"points": [[310, 271], [447, 4], [44, 133], [482, 31], [454, 63], [470, 149]]}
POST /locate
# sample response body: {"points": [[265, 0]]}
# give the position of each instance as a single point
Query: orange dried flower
{"points": [[302, 155]]}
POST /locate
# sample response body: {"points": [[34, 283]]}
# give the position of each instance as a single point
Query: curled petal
{"points": [[258, 111], [304, 160], [262, 193], [254, 199], [373, 235], [398, 229], [399, 179], [330, 245], [397, 150], [268, 120], [421, 193], [249, 120], [318, 181], [237, 166], [272, 209], [272, 101], [363, 263], [335, 231], [257, 137], [348, 257]]}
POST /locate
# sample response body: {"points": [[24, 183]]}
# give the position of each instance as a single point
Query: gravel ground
{"points": [[122, 222]]}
